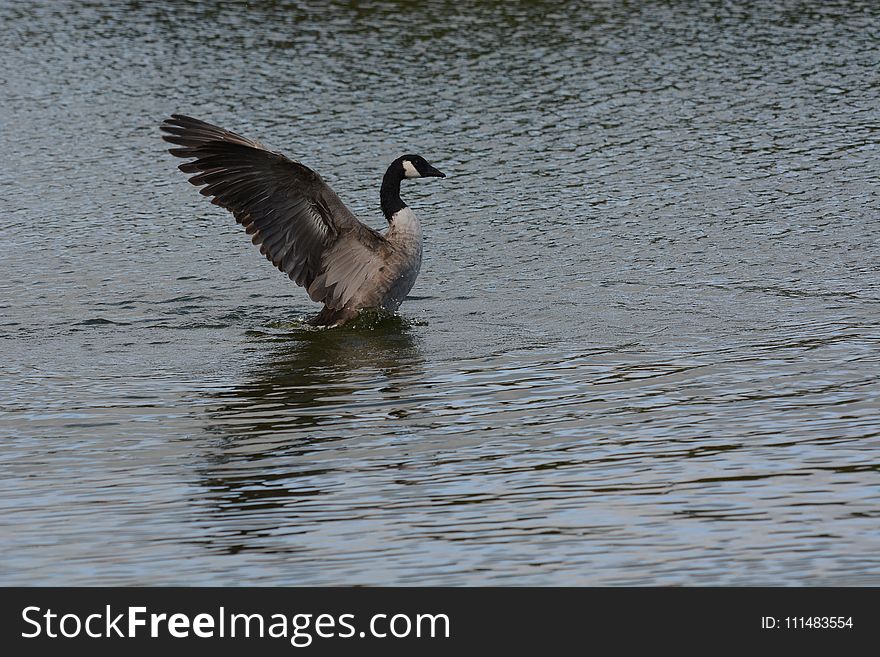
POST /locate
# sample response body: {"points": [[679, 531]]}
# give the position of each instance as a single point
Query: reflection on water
{"points": [[302, 381], [643, 347]]}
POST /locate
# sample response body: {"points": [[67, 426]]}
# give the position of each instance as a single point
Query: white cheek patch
{"points": [[409, 170]]}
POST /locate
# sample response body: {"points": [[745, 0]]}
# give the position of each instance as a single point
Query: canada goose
{"points": [[301, 225]]}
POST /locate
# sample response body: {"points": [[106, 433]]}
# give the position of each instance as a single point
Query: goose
{"points": [[301, 225]]}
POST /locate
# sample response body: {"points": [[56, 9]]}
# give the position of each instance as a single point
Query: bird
{"points": [[301, 225]]}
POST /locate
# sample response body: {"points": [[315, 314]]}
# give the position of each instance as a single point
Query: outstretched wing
{"points": [[301, 225]]}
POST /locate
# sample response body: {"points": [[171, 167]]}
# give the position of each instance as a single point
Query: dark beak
{"points": [[433, 173]]}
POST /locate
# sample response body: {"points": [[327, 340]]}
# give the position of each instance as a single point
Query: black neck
{"points": [[389, 195]]}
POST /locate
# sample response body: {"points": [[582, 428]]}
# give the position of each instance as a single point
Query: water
{"points": [[644, 347]]}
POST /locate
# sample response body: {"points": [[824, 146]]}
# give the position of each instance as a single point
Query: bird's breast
{"points": [[405, 227], [405, 239]]}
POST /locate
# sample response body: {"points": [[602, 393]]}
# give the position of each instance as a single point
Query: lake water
{"points": [[644, 347]]}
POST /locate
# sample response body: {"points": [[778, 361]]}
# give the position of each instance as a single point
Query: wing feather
{"points": [[299, 223]]}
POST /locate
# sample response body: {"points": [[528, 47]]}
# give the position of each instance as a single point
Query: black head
{"points": [[415, 166], [406, 166]]}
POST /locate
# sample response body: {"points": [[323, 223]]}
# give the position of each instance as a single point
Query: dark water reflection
{"points": [[643, 348], [306, 378], [281, 413]]}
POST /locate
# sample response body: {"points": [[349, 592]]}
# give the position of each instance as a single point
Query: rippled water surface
{"points": [[644, 347]]}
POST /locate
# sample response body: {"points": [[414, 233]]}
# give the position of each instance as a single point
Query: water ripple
{"points": [[643, 348]]}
